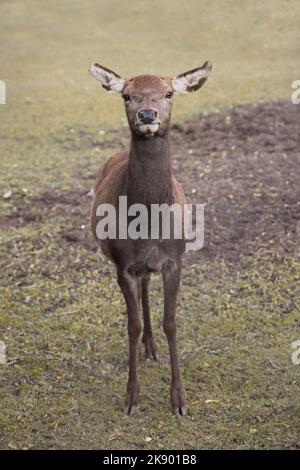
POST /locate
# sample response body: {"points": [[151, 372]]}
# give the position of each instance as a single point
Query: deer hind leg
{"points": [[129, 287], [151, 350], [171, 280]]}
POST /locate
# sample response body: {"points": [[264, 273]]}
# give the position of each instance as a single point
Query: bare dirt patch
{"points": [[244, 164]]}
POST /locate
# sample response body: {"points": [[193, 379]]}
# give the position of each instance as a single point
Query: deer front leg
{"points": [[171, 280], [129, 287]]}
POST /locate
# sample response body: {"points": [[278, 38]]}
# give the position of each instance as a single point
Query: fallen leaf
{"points": [[7, 195], [12, 445], [115, 436]]}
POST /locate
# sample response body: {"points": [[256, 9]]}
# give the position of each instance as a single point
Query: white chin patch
{"points": [[148, 128]]}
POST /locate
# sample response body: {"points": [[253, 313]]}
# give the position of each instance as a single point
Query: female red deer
{"points": [[144, 175]]}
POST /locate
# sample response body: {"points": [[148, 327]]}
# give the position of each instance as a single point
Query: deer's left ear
{"points": [[110, 80], [191, 80]]}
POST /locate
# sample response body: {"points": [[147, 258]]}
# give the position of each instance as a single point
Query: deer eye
{"points": [[126, 98], [169, 95]]}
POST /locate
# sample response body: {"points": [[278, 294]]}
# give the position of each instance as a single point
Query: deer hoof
{"points": [[132, 398], [130, 410], [151, 350], [180, 411], [178, 400]]}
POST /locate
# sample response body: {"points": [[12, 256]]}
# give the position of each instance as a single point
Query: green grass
{"points": [[61, 315], [66, 339]]}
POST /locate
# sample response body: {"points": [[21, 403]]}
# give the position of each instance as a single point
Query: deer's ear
{"points": [[191, 80], [110, 80]]}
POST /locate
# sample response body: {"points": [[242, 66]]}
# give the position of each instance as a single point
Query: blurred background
{"points": [[63, 350], [47, 48]]}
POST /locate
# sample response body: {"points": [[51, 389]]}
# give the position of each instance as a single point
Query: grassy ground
{"points": [[66, 337], [62, 318]]}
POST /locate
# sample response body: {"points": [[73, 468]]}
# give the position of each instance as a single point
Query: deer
{"points": [[144, 175]]}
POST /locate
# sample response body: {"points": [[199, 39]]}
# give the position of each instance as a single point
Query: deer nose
{"points": [[147, 116]]}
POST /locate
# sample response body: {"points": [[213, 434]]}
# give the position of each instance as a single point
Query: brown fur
{"points": [[111, 183], [144, 175]]}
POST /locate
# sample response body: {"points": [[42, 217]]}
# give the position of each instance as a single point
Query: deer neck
{"points": [[149, 177]]}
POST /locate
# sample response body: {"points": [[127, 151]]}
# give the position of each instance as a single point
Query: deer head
{"points": [[148, 98]]}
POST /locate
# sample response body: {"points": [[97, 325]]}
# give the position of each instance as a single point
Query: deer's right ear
{"points": [[110, 80]]}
